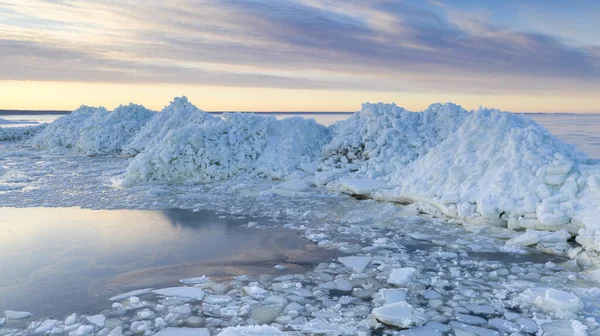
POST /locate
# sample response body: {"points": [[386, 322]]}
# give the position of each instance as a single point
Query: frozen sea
{"points": [[455, 279]]}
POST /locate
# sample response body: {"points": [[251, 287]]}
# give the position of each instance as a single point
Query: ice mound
{"points": [[20, 133], [224, 148], [497, 166], [106, 133], [179, 113], [382, 137], [65, 131], [94, 130]]}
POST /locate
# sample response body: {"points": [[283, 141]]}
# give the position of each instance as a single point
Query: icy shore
{"points": [[483, 166], [402, 267]]}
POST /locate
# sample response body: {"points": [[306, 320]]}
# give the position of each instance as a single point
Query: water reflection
{"points": [[57, 260]]}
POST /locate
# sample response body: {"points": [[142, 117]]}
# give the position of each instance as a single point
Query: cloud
{"points": [[380, 44]]}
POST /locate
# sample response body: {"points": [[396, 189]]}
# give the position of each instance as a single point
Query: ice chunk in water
{"points": [[398, 314], [130, 294], [251, 331], [196, 280], [16, 315], [357, 264], [558, 301], [184, 292], [183, 332], [392, 295], [294, 185], [401, 277], [97, 320]]}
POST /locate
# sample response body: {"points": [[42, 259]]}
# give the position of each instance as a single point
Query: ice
{"points": [[362, 186], [266, 313], [97, 320], [564, 327], [238, 144], [196, 280], [82, 330], [130, 294], [183, 332], [251, 331], [45, 326], [291, 186], [179, 113], [183, 292], [398, 314], [460, 328], [20, 133], [558, 301], [483, 166], [256, 292], [107, 133], [401, 277], [16, 315], [392, 295], [65, 131], [356, 263]]}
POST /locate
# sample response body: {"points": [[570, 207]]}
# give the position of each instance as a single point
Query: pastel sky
{"points": [[301, 55]]}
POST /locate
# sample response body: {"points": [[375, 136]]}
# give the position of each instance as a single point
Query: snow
{"points": [[183, 292], [183, 332]]}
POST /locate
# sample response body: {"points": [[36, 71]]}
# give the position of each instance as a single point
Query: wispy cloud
{"points": [[382, 44]]}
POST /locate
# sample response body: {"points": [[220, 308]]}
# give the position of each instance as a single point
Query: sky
{"points": [[301, 55]]}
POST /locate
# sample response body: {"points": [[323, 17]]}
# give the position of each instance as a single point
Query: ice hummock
{"points": [[93, 131], [483, 166], [20, 132], [179, 113], [239, 143]]}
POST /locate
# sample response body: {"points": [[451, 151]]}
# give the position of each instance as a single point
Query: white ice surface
{"points": [[171, 331], [251, 331], [356, 263], [183, 292], [137, 292], [398, 314], [16, 315]]}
